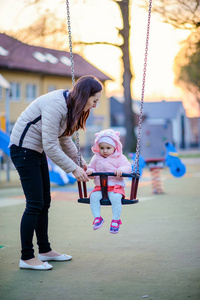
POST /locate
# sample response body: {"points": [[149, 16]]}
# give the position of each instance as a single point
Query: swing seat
{"points": [[106, 202], [104, 189]]}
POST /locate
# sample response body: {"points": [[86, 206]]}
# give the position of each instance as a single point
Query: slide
{"points": [[4, 142], [58, 176]]}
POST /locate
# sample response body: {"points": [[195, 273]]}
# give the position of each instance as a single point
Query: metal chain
{"points": [[79, 162], [136, 164], [70, 42]]}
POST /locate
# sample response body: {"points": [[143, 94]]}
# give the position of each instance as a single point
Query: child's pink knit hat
{"points": [[108, 136], [108, 140]]}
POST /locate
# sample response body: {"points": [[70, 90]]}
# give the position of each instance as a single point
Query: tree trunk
{"points": [[130, 138]]}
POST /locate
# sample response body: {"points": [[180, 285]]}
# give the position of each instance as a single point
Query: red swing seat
{"points": [[104, 189]]}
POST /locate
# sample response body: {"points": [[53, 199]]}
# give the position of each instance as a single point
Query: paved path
{"points": [[156, 254]]}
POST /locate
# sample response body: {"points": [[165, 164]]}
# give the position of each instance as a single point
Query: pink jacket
{"points": [[109, 164]]}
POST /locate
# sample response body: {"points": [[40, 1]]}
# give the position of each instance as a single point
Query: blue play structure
{"points": [[142, 163], [4, 142], [176, 167], [58, 176]]}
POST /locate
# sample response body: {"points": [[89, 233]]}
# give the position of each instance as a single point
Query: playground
{"points": [[155, 255]]}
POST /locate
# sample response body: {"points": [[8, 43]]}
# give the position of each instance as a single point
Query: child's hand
{"points": [[118, 173], [88, 172]]}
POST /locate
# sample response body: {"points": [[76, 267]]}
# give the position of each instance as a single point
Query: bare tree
{"points": [[182, 14], [187, 65], [130, 141], [130, 138], [47, 31]]}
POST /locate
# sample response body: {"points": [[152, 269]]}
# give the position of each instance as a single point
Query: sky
{"points": [[96, 20]]}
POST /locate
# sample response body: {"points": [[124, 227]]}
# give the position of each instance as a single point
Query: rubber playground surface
{"points": [[155, 255]]}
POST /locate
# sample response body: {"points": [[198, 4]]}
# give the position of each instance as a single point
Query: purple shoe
{"points": [[115, 228], [98, 222]]}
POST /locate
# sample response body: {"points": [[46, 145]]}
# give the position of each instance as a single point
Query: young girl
{"points": [[108, 158]]}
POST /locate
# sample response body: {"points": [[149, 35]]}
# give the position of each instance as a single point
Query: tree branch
{"points": [[96, 43]]}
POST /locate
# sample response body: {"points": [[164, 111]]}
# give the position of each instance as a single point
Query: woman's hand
{"points": [[85, 167], [80, 174]]}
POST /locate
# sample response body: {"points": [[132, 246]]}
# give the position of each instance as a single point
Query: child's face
{"points": [[106, 149]]}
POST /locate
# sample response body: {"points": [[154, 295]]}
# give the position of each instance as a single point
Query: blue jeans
{"points": [[34, 175]]}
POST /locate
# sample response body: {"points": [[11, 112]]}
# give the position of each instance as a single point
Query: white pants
{"points": [[115, 200]]}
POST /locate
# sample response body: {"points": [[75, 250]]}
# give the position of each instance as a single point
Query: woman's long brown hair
{"points": [[85, 87]]}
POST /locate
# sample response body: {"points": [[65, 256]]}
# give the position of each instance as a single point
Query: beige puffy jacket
{"points": [[40, 126]]}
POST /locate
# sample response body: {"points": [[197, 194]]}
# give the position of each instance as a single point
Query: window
{"points": [[51, 88], [45, 57], [15, 91], [30, 92], [3, 52]]}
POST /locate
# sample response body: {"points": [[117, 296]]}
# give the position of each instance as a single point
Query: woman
{"points": [[45, 128]]}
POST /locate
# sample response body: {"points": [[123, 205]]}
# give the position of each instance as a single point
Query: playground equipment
{"points": [[176, 167], [4, 142], [104, 189], [156, 165], [142, 162], [58, 176], [103, 177], [4, 136]]}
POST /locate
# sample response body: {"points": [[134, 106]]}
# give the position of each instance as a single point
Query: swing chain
{"points": [[136, 164], [79, 162], [70, 42]]}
